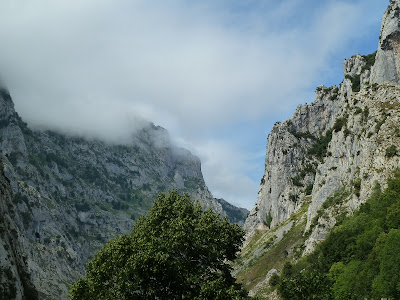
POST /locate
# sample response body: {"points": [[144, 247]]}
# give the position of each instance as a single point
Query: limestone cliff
{"points": [[329, 143], [338, 139], [71, 194], [387, 66], [14, 276], [326, 160]]}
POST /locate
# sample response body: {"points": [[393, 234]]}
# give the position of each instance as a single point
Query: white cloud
{"points": [[225, 168], [194, 67]]}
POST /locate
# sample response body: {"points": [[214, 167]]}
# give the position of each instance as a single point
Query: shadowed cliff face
{"points": [[387, 66], [72, 194], [15, 280]]}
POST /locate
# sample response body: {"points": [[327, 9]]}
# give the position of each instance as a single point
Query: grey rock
{"points": [[325, 161], [387, 66], [235, 214], [15, 281]]}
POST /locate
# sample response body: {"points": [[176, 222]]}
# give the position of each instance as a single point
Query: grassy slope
{"points": [[271, 249]]}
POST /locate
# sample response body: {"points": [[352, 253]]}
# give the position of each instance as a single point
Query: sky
{"points": [[217, 74]]}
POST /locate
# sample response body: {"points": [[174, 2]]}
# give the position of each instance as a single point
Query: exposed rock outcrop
{"points": [[387, 66], [235, 214], [15, 281]]}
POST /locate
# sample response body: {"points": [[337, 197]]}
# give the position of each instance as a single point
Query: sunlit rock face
{"points": [[387, 66], [337, 143], [325, 161], [15, 280]]}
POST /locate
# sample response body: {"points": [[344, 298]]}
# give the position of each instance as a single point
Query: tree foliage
{"points": [[320, 147], [176, 251], [359, 259]]}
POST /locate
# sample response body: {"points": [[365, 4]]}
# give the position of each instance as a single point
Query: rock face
{"points": [[235, 214], [67, 196], [332, 153], [15, 281], [387, 67]]}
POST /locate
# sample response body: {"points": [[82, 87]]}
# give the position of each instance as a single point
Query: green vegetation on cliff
{"points": [[358, 260]]}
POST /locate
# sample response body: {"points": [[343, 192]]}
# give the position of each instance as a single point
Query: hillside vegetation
{"points": [[359, 258]]}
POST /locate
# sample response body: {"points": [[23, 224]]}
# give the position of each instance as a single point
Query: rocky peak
{"points": [[387, 67], [10, 126]]}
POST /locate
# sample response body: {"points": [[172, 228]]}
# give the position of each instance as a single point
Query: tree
{"points": [[306, 285], [176, 251], [387, 283]]}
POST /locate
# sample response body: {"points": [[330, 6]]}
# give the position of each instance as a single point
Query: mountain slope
{"points": [[358, 259], [323, 163], [72, 194]]}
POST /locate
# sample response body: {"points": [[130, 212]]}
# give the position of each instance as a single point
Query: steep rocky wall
{"points": [[15, 281], [387, 67], [337, 143], [362, 154], [319, 150], [287, 148], [325, 161]]}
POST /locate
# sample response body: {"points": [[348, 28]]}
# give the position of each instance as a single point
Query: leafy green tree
{"points": [[287, 270], [344, 286], [176, 251], [387, 283], [307, 285]]}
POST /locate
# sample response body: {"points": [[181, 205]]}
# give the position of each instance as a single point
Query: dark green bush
{"points": [[370, 61], [357, 186], [320, 146], [274, 280], [340, 123], [391, 151], [358, 110], [355, 82], [309, 189], [268, 219]]}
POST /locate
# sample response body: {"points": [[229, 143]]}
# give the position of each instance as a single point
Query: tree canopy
{"points": [[359, 259], [176, 251]]}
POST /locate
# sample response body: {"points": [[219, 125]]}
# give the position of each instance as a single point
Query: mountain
{"points": [[14, 275], [65, 196], [235, 214], [322, 164]]}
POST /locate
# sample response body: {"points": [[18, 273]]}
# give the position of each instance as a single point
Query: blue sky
{"points": [[216, 74]]}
